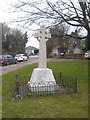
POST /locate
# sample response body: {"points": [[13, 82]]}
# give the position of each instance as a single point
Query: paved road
{"points": [[9, 68]]}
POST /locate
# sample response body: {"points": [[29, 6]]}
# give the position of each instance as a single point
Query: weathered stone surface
{"points": [[42, 76], [42, 35]]}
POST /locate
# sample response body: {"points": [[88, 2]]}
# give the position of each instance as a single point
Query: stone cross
{"points": [[42, 35]]}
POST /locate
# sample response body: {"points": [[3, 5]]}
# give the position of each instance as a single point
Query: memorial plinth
{"points": [[42, 78]]}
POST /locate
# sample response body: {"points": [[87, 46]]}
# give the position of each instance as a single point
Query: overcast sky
{"points": [[4, 6], [5, 16]]}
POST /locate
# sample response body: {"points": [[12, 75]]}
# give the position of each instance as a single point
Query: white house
{"points": [[30, 50]]}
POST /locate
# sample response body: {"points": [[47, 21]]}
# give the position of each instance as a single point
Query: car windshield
{"points": [[18, 55], [0, 56], [88, 51], [3, 56]]}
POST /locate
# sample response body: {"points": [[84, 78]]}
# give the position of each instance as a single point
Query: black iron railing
{"points": [[65, 86]]}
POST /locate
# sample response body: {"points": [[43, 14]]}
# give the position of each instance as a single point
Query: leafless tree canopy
{"points": [[53, 13]]}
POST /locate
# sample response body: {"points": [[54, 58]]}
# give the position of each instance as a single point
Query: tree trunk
{"points": [[89, 39]]}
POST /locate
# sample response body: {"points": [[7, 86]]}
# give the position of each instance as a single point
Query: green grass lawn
{"points": [[56, 106]]}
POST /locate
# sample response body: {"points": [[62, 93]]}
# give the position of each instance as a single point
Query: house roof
{"points": [[31, 48], [57, 47]]}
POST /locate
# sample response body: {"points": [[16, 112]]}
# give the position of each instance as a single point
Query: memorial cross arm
{"points": [[42, 35]]}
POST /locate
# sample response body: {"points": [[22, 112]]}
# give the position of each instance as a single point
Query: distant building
{"points": [[55, 50], [30, 50], [75, 45]]}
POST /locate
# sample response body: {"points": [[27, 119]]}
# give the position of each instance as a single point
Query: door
{"points": [[10, 59]]}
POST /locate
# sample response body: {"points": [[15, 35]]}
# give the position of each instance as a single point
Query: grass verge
{"points": [[56, 106]]}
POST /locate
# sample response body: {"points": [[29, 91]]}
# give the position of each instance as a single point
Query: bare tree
{"points": [[73, 13], [58, 37]]}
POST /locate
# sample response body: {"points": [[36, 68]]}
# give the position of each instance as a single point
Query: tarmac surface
{"points": [[31, 60]]}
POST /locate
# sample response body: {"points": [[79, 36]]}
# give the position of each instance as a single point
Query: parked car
{"points": [[62, 55], [21, 57], [87, 54], [7, 60]]}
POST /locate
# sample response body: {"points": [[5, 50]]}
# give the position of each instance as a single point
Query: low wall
{"points": [[73, 56]]}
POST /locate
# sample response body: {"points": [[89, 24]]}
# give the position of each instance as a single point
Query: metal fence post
{"points": [[75, 85], [17, 85], [60, 76]]}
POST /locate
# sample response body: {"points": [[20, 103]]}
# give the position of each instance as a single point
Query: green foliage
{"points": [[56, 106], [14, 42], [25, 38]]}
